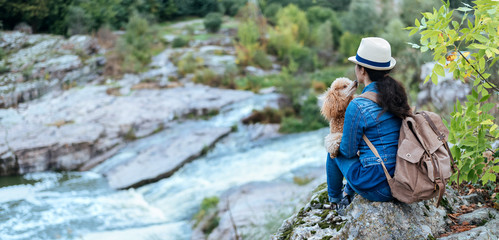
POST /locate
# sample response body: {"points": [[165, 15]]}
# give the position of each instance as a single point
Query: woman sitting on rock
{"points": [[380, 123]]}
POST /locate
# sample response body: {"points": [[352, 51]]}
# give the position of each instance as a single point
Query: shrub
{"points": [[349, 44], [396, 36], [231, 7], [188, 64], [324, 35], [208, 77], [136, 44], [294, 18], [271, 11], [308, 119], [2, 53], [212, 22], [361, 18], [179, 42], [248, 48], [318, 15], [78, 21], [261, 59]]}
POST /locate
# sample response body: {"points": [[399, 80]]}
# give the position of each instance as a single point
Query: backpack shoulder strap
{"points": [[373, 149], [370, 95]]}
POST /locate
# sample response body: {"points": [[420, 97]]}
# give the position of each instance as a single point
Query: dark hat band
{"points": [[374, 64]]}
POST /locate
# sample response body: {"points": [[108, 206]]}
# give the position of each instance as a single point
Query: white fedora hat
{"points": [[374, 53]]}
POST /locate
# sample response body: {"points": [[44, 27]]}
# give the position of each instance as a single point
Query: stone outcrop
{"points": [[69, 130], [363, 219], [443, 96], [38, 64], [255, 210]]}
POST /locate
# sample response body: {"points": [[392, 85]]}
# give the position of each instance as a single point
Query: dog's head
{"points": [[337, 98]]}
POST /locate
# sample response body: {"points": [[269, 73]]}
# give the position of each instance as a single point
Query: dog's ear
{"points": [[330, 106]]}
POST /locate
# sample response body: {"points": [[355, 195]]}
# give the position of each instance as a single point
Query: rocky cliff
{"points": [[388, 220]]}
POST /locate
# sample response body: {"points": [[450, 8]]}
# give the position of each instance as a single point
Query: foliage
{"points": [[337, 5], [412, 9], [309, 118], [318, 15], [41, 15], [101, 11], [79, 22], [196, 7], [208, 210], [324, 39], [291, 17], [231, 7], [189, 64], [179, 42], [361, 18], [249, 49], [349, 43], [289, 37], [469, 127], [212, 22], [473, 128], [134, 47], [396, 36], [271, 11]]}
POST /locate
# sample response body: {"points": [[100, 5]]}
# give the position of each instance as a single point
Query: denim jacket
{"points": [[361, 118]]}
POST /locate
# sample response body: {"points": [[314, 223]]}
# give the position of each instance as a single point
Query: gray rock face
{"points": [[163, 160], [254, 210], [38, 64], [488, 218], [66, 131], [444, 95], [378, 220]]}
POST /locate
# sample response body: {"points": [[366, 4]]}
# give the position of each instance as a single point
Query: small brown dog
{"points": [[336, 100]]}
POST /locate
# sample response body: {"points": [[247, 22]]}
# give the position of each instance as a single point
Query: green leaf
{"points": [[486, 107], [439, 69], [455, 24], [477, 46], [480, 38], [434, 78], [416, 22], [413, 31], [464, 9], [481, 63], [484, 98], [426, 79], [493, 128], [487, 122]]}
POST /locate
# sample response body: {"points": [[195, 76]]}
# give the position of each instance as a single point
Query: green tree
{"points": [[362, 18], [468, 49], [78, 21], [102, 11], [212, 22], [41, 15], [395, 34], [294, 18], [411, 9]]}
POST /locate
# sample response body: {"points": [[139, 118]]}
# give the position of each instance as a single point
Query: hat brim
{"points": [[392, 64]]}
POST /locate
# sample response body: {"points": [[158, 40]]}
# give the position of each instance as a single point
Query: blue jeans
{"points": [[336, 169]]}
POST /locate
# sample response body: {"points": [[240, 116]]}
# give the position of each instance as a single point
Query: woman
{"points": [[380, 123]]}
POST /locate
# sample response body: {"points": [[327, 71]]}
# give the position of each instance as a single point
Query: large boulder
{"points": [[81, 127], [364, 219], [37, 64], [443, 95]]}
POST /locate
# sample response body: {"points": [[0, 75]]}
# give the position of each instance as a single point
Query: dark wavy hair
{"points": [[391, 93]]}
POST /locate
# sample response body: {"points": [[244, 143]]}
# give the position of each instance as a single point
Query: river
{"points": [[81, 205]]}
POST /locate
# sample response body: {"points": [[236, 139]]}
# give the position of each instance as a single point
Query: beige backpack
{"points": [[423, 164]]}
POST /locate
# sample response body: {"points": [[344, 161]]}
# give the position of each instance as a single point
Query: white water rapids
{"points": [[80, 205]]}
